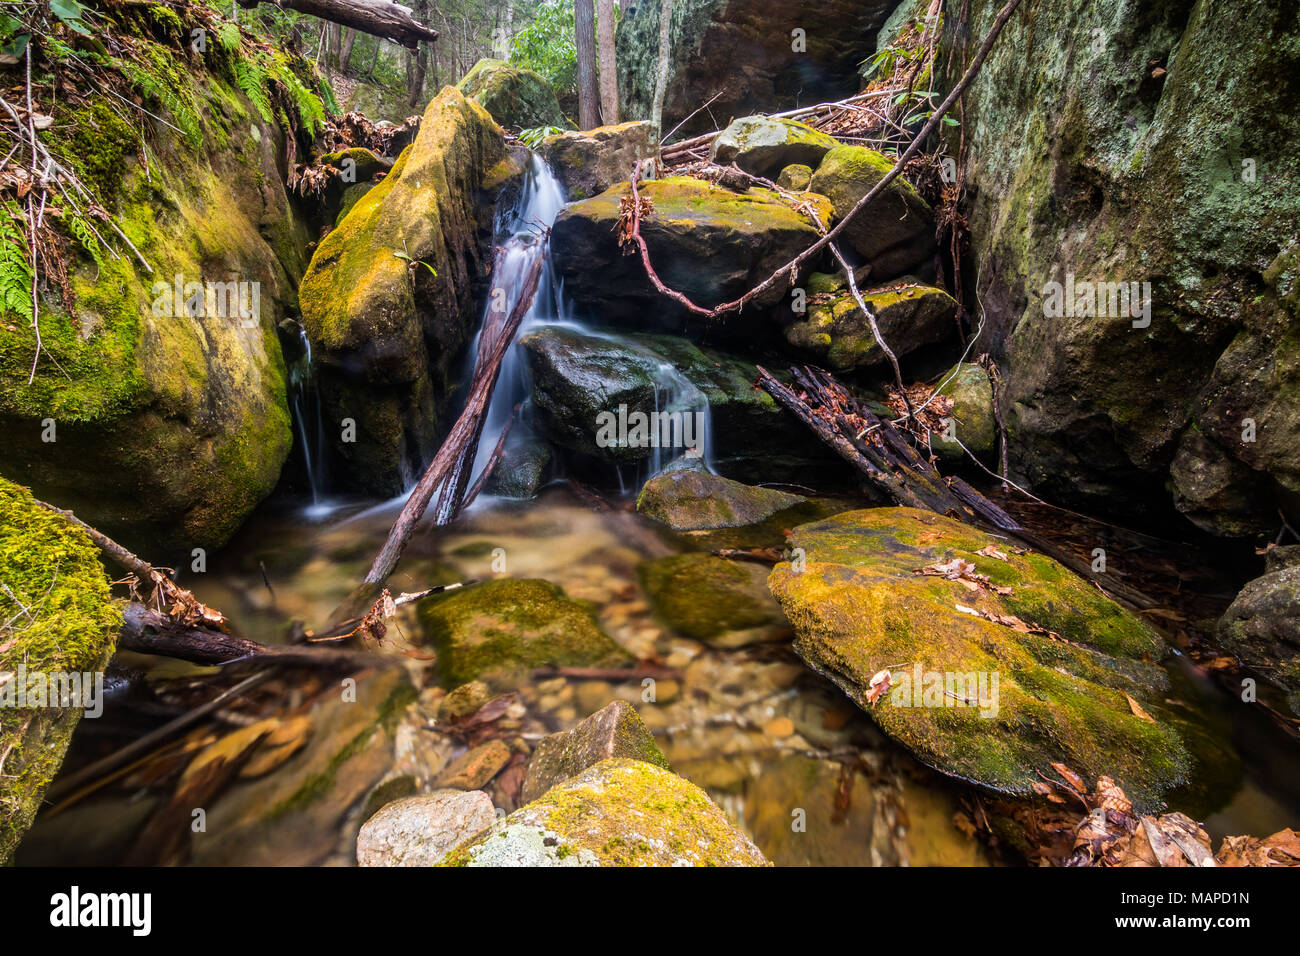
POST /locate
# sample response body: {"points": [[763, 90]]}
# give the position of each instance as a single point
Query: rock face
{"points": [[171, 416], [615, 731], [895, 234], [723, 603], [747, 53], [834, 332], [419, 831], [698, 501], [386, 330], [1128, 165], [619, 812], [743, 237], [1262, 627], [979, 690], [500, 629], [589, 162], [55, 570], [516, 98], [578, 377], [765, 146]]}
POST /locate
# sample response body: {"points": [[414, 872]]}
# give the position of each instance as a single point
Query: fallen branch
{"points": [[380, 18]]}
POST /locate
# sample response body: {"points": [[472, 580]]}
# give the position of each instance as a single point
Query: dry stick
{"points": [[493, 460], [470, 421], [31, 221], [931, 124], [875, 327]]}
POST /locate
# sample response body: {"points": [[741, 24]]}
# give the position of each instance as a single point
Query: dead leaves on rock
{"points": [[631, 210], [964, 573], [1281, 849]]}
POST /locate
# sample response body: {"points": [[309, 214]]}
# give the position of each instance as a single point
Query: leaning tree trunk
{"points": [[608, 62], [661, 73], [584, 18], [345, 48], [381, 18]]}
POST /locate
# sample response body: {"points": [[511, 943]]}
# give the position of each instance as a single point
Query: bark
{"points": [[584, 17], [345, 48], [661, 72], [389, 21], [334, 35], [608, 62]]}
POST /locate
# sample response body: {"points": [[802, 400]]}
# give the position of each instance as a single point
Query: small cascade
{"points": [[308, 422]]}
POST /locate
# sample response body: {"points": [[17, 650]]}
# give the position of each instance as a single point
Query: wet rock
{"points": [[795, 177], [516, 97], [859, 607], [1278, 559], [974, 426], [521, 470], [835, 333], [475, 767], [388, 791], [764, 146], [463, 701], [722, 603], [895, 234], [419, 831], [617, 813], [695, 501], [743, 237], [614, 731], [590, 161], [500, 629], [1262, 627], [55, 581]]}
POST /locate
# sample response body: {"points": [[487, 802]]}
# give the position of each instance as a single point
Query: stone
{"points": [[1262, 628], [974, 425], [722, 603], [764, 146], [614, 731], [588, 162], [517, 98], [521, 471], [796, 177], [420, 830], [475, 767], [696, 501]]}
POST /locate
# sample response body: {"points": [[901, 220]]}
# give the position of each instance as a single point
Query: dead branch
{"points": [[380, 18]]}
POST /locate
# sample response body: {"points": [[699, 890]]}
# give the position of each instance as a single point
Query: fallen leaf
{"points": [[880, 684], [1137, 709]]}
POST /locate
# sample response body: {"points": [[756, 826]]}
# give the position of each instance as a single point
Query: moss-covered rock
{"points": [[764, 146], [974, 425], [859, 607], [521, 471], [590, 161], [391, 294], [697, 501], [835, 333], [499, 630], [619, 812], [723, 603], [796, 177], [516, 97], [1262, 627], [614, 731], [895, 233], [60, 619], [705, 241]]}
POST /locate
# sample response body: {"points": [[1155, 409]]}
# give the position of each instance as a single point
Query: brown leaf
{"points": [[880, 684], [1137, 710]]}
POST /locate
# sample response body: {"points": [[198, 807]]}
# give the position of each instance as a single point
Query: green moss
{"points": [[706, 597]]}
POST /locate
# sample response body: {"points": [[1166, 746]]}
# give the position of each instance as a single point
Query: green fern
{"points": [[15, 269], [310, 109], [80, 230], [251, 79]]}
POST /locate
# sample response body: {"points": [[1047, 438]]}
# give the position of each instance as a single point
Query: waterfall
{"points": [[309, 423]]}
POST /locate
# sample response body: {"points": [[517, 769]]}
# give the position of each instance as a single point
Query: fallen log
{"points": [[380, 18]]}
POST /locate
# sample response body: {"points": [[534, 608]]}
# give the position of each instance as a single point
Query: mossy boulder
{"points": [[698, 501], [834, 332], [705, 241], [973, 422], [53, 571], [588, 162], [722, 603], [895, 234], [619, 812], [578, 377], [614, 731], [516, 97], [1262, 627], [796, 177], [763, 145], [391, 295], [499, 630], [1074, 678]]}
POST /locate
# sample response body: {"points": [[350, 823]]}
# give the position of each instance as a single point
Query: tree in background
{"points": [[584, 16], [661, 73], [606, 20]]}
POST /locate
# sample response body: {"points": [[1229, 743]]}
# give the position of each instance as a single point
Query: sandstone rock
{"points": [[589, 162], [419, 831], [696, 501], [765, 146], [614, 731], [516, 97]]}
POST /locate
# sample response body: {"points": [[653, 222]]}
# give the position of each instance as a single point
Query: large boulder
{"points": [[740, 56], [613, 731], [989, 665], [973, 425], [1262, 627], [499, 630], [764, 146], [698, 501], [579, 380], [516, 97], [391, 295], [158, 408], [895, 234], [712, 244], [1106, 146], [619, 812], [56, 586], [589, 162]]}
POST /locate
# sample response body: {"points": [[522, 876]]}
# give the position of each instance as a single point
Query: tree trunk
{"points": [[381, 18], [608, 64], [332, 47], [345, 48], [584, 17], [661, 72]]}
